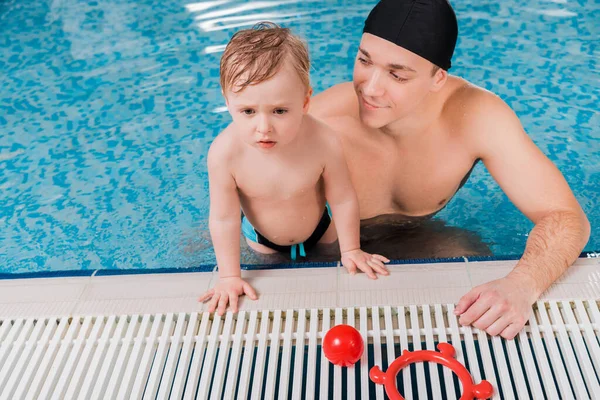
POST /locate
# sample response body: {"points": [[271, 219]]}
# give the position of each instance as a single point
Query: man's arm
{"points": [[538, 189]]}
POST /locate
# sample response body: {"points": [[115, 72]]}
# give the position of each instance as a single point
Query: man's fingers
{"points": [[206, 296], [499, 326], [250, 292], [466, 301], [487, 319], [474, 312], [511, 331], [381, 258]]}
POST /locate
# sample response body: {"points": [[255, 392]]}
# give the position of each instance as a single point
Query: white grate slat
{"points": [[236, 354], [257, 378], [488, 366], [244, 382], [324, 363], [311, 365], [286, 355], [219, 375], [273, 356], [416, 341], [351, 371], [337, 370], [377, 347], [299, 356], [209, 359], [406, 377], [433, 371], [364, 360]]}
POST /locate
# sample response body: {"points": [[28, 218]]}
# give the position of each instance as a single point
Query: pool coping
{"points": [[278, 289], [250, 267]]}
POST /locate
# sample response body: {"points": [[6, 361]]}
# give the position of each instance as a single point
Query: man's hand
{"points": [[501, 307], [366, 262], [226, 291]]}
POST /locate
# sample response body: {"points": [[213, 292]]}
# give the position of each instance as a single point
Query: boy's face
{"points": [[268, 115], [390, 81]]}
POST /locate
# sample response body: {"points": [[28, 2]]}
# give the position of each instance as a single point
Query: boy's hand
{"points": [[366, 262], [226, 291]]}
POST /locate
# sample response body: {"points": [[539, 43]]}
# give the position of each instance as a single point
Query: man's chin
{"points": [[370, 121]]}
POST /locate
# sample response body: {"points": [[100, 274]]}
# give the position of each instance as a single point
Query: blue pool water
{"points": [[107, 109]]}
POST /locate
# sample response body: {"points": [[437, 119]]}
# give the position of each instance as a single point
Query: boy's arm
{"points": [[341, 197], [224, 219], [343, 202]]}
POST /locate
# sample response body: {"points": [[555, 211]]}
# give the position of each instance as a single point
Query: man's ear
{"points": [[306, 105], [439, 79]]}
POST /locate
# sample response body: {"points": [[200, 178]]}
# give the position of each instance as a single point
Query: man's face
{"points": [[389, 81]]}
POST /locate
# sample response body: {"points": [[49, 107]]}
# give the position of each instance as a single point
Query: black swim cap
{"points": [[428, 28]]}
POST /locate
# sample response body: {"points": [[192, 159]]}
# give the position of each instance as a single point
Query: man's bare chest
{"points": [[408, 181]]}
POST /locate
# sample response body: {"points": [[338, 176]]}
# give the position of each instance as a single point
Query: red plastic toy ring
{"points": [[483, 390]]}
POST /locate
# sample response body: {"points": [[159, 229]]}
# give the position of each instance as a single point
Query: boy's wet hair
{"points": [[254, 55]]}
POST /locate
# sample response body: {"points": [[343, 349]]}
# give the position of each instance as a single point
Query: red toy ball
{"points": [[343, 345]]}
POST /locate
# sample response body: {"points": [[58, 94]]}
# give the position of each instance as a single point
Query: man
{"points": [[412, 134]]}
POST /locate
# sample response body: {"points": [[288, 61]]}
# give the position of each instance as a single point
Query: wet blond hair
{"points": [[255, 55]]}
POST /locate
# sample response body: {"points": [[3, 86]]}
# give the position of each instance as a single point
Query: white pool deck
{"points": [[281, 289]]}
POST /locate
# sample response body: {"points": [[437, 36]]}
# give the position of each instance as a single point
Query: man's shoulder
{"points": [[471, 109], [480, 117], [339, 100]]}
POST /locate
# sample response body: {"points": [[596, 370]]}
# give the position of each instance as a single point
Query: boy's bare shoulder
{"points": [[326, 138], [224, 147]]}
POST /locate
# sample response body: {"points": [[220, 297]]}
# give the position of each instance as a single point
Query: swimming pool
{"points": [[107, 109]]}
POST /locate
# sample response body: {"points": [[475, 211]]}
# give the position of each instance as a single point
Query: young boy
{"points": [[283, 168]]}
